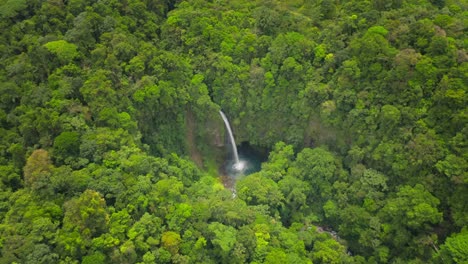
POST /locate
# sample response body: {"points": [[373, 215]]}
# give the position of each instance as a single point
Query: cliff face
{"points": [[205, 139]]}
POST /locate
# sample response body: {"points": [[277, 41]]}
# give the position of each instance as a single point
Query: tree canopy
{"points": [[112, 149]]}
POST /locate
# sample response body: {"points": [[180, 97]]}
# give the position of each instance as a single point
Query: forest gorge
{"points": [[111, 142]]}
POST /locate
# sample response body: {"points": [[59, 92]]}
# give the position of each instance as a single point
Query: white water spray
{"points": [[238, 165]]}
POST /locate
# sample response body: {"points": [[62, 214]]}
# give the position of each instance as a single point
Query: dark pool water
{"points": [[251, 159]]}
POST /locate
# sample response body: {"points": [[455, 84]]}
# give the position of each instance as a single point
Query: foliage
{"points": [[105, 104]]}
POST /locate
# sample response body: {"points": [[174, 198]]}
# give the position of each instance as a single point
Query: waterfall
{"points": [[238, 165], [231, 137]]}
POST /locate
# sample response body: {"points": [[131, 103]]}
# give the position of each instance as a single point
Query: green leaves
{"points": [[224, 237], [10, 8], [280, 159], [390, 117], [98, 91], [146, 233], [455, 248], [64, 50], [291, 44], [378, 30], [256, 189], [171, 241], [454, 167], [412, 211], [328, 251], [38, 170], [86, 214], [177, 218], [103, 103], [66, 144], [413, 207], [316, 164]]}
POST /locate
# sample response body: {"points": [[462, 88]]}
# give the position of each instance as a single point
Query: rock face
{"points": [[217, 141], [204, 139]]}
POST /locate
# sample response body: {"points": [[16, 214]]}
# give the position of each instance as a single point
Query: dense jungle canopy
{"points": [[111, 142]]}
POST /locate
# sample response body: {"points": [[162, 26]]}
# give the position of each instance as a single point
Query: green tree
{"points": [[317, 168], [96, 258], [328, 251], [66, 144], [390, 117], [224, 238], [37, 172], [412, 209], [171, 241], [257, 189], [65, 51], [85, 218], [11, 8], [146, 233], [279, 160], [295, 198], [455, 248]]}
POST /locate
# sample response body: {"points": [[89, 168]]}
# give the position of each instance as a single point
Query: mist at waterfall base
{"points": [[250, 158], [243, 161]]}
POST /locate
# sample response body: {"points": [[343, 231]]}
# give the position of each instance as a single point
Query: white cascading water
{"points": [[238, 165]]}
